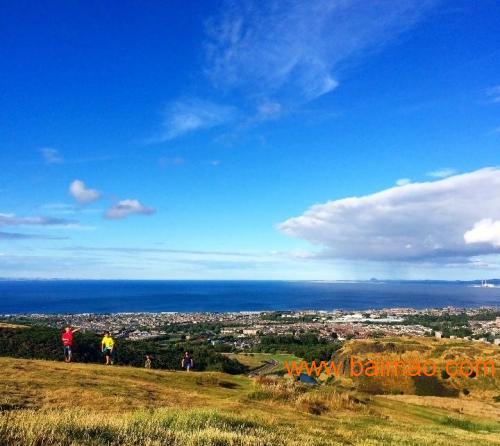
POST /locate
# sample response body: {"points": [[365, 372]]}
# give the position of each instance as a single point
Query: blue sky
{"points": [[250, 140]]}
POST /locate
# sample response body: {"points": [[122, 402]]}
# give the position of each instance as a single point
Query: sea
{"points": [[121, 296]]}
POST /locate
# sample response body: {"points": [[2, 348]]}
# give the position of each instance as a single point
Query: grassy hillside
{"points": [[52, 403], [484, 388], [11, 326]]}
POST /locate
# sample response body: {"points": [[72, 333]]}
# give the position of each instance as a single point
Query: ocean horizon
{"points": [[23, 296]]}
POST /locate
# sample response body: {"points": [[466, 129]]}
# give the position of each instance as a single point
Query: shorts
{"points": [[107, 352], [67, 350]]}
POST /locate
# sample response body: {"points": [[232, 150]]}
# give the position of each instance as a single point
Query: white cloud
{"points": [[403, 181], [185, 116], [18, 236], [484, 231], [269, 110], [14, 220], [127, 207], [442, 173], [51, 156], [82, 193], [175, 161], [300, 44], [7, 220], [279, 54], [493, 93], [419, 222]]}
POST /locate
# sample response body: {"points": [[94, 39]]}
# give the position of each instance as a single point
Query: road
{"points": [[264, 368]]}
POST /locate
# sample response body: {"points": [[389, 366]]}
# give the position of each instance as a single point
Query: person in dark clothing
{"points": [[187, 362]]}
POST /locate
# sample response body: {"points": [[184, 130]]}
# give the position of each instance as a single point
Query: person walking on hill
{"points": [[107, 347], [187, 362], [67, 340]]}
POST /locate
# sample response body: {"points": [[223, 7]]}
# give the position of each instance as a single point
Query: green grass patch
{"points": [[468, 425]]}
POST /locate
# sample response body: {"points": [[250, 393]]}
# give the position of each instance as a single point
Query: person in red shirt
{"points": [[67, 340]]}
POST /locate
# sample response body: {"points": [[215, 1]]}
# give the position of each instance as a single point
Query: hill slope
{"points": [[454, 352], [53, 403]]}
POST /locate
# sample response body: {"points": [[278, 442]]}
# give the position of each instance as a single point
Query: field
{"points": [[9, 325], [52, 403], [273, 361]]}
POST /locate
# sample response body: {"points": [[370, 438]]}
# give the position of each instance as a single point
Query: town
{"points": [[241, 330]]}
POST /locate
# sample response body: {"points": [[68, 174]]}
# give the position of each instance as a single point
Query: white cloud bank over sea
{"points": [[455, 219]]}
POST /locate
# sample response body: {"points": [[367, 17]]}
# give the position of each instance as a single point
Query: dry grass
{"points": [[50, 403], [484, 388], [158, 427], [9, 325], [217, 427], [304, 398], [462, 406], [47, 384]]}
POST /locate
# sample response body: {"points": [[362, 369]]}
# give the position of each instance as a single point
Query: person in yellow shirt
{"points": [[107, 347]]}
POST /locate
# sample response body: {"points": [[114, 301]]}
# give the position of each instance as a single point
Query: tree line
{"points": [[41, 342]]}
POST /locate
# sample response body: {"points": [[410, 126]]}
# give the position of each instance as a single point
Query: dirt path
{"points": [[264, 368]]}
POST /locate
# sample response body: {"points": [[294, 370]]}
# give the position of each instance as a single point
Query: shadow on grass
{"points": [[431, 386], [468, 425]]}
